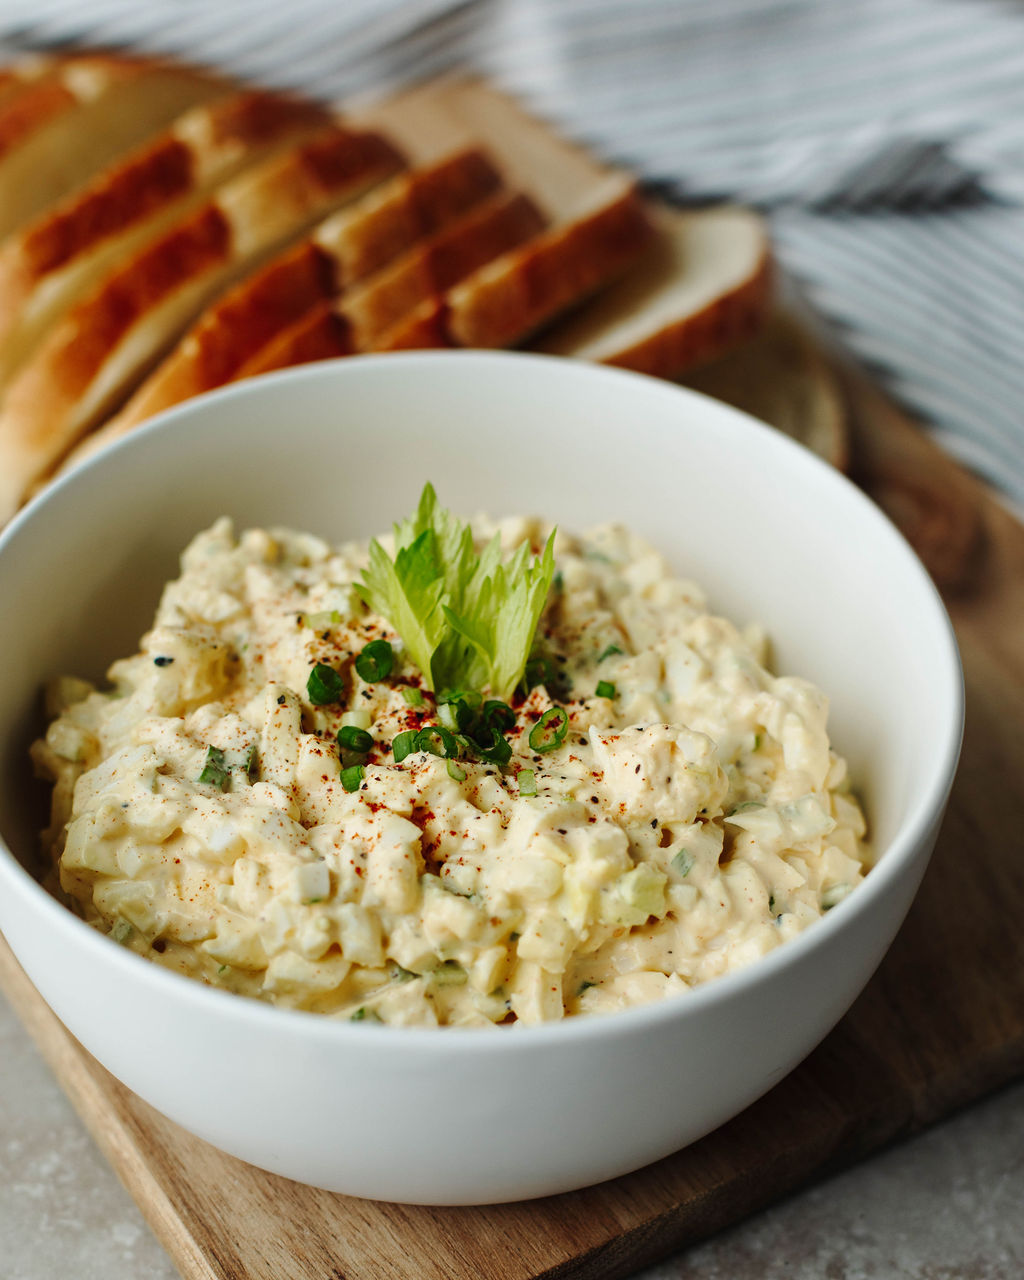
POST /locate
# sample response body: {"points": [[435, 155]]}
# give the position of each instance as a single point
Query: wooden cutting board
{"points": [[941, 1023]]}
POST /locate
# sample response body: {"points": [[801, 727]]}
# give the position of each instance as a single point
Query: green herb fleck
{"points": [[605, 689], [362, 1014], [438, 740], [122, 931], [448, 974], [682, 863], [324, 685], [375, 661], [352, 777], [611, 650], [403, 744], [215, 771], [352, 739], [747, 804]]}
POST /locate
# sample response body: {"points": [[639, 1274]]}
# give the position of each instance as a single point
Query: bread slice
{"points": [[359, 320], [505, 301], [781, 377], [105, 344], [347, 247], [22, 74], [353, 321], [703, 286], [79, 114], [60, 256]]}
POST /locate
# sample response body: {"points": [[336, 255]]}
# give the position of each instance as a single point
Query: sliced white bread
{"points": [[703, 285], [359, 319], [22, 74], [509, 298], [346, 248], [59, 257], [77, 116], [351, 321], [781, 377], [106, 344]]}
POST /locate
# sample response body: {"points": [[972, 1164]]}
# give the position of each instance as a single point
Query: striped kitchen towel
{"points": [[884, 140]]}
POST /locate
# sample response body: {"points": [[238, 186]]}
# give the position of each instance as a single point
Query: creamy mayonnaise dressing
{"points": [[688, 823]]}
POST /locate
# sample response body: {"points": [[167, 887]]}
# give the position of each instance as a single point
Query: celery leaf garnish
{"points": [[466, 618]]}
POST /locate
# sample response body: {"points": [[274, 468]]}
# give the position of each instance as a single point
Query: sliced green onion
{"points": [[537, 671], [375, 661], [324, 685], [610, 652], [527, 780], [497, 750], [352, 739], [352, 777], [469, 696], [412, 695], [437, 740], [404, 744], [498, 715], [550, 730], [251, 763], [360, 718], [459, 710], [455, 772], [215, 771], [605, 689]]}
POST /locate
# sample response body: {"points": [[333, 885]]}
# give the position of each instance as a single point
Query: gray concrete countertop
{"points": [[948, 1205]]}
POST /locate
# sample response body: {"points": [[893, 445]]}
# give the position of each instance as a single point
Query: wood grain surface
{"points": [[941, 1023]]}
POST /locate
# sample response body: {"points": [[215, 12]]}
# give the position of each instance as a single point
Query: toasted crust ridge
{"points": [[503, 302], [102, 347], [345, 249]]}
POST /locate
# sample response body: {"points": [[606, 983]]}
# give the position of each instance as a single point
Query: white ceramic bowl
{"points": [[458, 1116]]}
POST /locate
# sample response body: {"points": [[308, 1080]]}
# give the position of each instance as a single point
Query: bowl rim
{"points": [[921, 816]]}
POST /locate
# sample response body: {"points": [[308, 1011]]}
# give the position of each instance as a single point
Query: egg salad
{"points": [[272, 797]]}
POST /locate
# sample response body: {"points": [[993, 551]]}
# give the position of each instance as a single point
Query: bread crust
{"points": [[703, 286], [104, 344], [342, 251], [60, 256], [358, 320], [692, 340], [79, 113], [503, 302]]}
